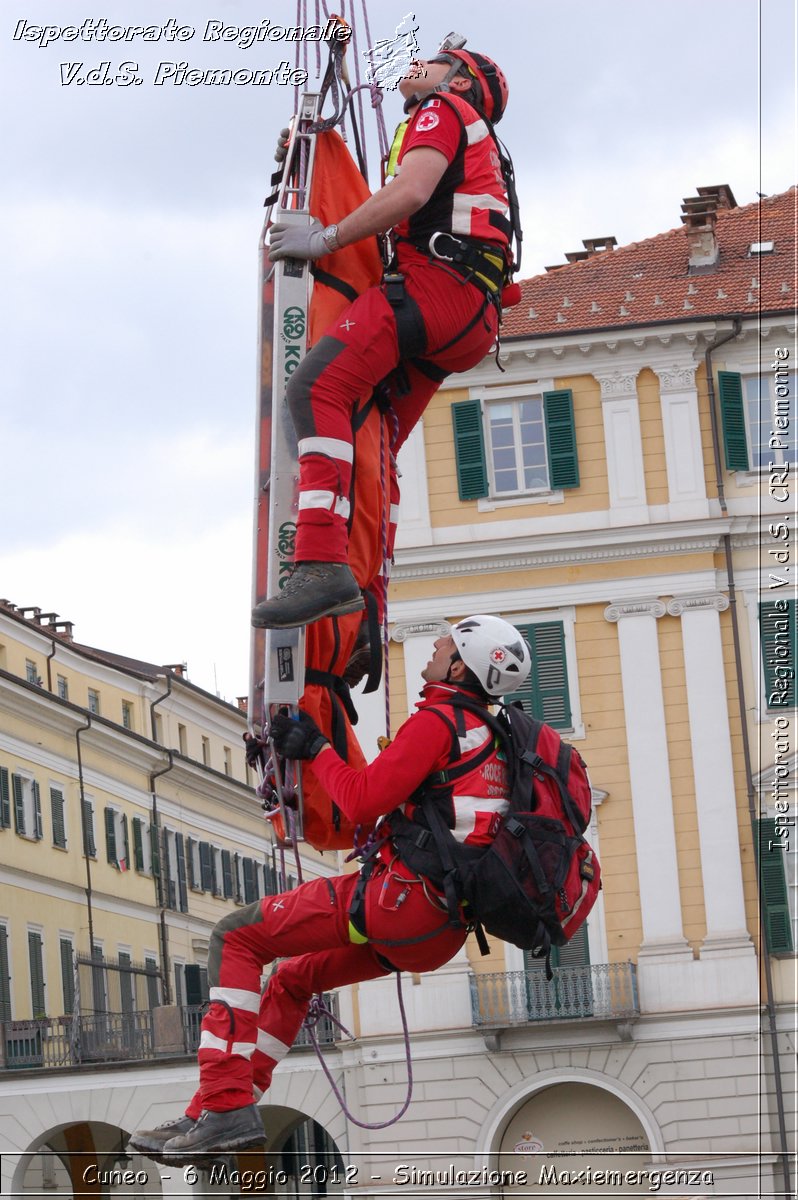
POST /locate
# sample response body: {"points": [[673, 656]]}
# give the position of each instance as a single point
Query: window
{"points": [[174, 871], [758, 426], [270, 882], [206, 866], [59, 821], [238, 880], [515, 445], [180, 993], [227, 875], [206, 752], [27, 807], [779, 644], [117, 848], [181, 739], [127, 714], [157, 728], [66, 950], [5, 799], [99, 980], [228, 761], [5, 976], [36, 961], [142, 846], [31, 671], [153, 981], [775, 853], [218, 872], [546, 694], [62, 687], [249, 871], [87, 818], [94, 701]]}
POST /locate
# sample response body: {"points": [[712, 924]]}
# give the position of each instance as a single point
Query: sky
{"points": [[129, 224]]}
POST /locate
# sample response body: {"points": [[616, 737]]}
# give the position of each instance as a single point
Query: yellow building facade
{"points": [[624, 493]]}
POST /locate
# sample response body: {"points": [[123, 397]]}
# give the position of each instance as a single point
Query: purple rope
{"points": [[376, 93], [319, 1010]]}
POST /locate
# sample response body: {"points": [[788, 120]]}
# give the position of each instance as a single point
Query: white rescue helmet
{"points": [[495, 651]]}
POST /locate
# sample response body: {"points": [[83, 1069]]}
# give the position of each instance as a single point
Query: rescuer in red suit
{"points": [[352, 927], [436, 311]]}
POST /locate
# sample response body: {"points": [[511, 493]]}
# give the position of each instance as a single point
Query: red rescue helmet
{"points": [[489, 79]]}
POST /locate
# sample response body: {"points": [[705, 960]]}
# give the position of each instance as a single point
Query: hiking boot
{"points": [[359, 664], [312, 591], [217, 1133], [151, 1142]]}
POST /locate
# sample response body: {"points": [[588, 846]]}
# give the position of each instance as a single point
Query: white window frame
{"points": [[196, 865], [65, 935], [774, 454], [218, 873], [62, 687], [28, 804], [512, 394], [32, 671], [92, 697]]}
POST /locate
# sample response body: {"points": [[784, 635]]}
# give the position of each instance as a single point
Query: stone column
{"points": [[710, 738], [649, 773], [624, 443]]}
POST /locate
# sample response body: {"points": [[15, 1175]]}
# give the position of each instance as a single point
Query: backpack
{"points": [[536, 882]]}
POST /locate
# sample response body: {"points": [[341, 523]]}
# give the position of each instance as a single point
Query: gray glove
{"points": [[281, 149], [297, 241]]}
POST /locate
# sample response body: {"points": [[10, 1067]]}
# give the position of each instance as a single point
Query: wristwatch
{"points": [[330, 238]]}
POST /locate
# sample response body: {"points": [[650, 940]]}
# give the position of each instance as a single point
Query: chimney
{"points": [[591, 246], [699, 217]]}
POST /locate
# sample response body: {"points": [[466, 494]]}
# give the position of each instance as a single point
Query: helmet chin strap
{"points": [[443, 86]]}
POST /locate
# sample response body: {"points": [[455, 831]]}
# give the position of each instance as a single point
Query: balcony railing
{"points": [[600, 991], [71, 1042]]}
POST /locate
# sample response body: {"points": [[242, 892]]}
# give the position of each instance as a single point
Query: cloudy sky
{"points": [[129, 222]]}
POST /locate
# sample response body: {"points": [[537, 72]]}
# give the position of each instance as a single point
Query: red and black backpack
{"points": [[536, 882]]}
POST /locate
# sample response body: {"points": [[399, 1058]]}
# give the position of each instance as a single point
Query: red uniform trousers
{"points": [[244, 1035], [355, 354]]}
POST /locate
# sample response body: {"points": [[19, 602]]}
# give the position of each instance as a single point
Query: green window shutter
{"points": [[469, 450], [206, 870], [110, 837], [155, 851], [250, 887], [773, 887], [67, 975], [227, 875], [558, 417], [545, 694], [36, 974], [153, 998], [5, 799], [138, 844], [5, 977], [89, 846], [57, 811], [778, 635], [182, 893], [193, 978], [732, 415], [38, 831], [19, 804]]}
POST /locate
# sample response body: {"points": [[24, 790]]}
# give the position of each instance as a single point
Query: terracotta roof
{"points": [[650, 282]]}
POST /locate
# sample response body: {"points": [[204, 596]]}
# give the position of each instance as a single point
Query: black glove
{"points": [[296, 738], [282, 145]]}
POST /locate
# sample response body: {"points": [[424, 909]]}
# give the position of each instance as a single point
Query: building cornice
{"points": [[470, 557]]}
